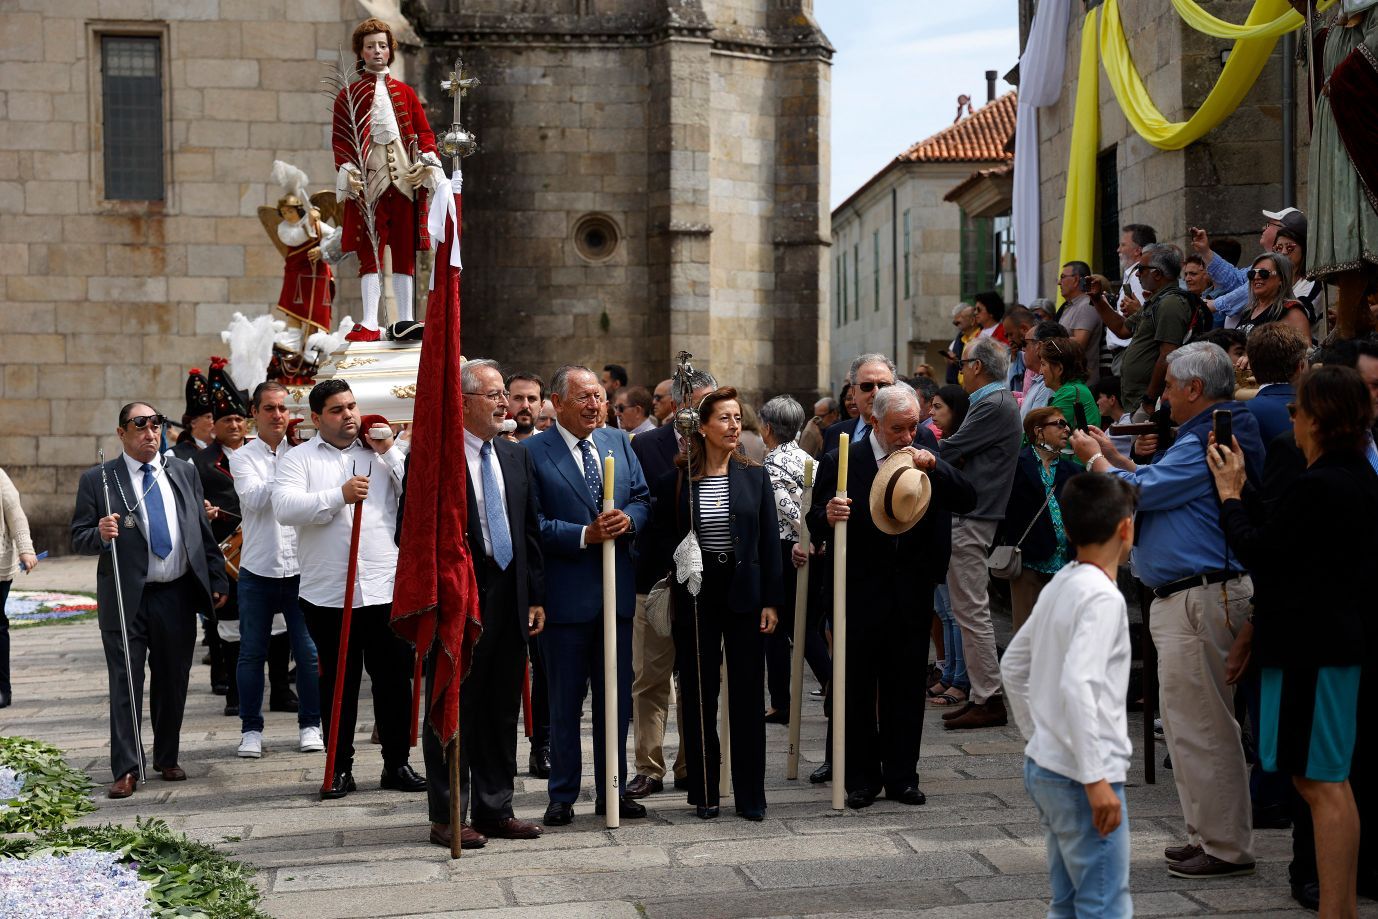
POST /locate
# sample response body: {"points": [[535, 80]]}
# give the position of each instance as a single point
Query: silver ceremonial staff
{"points": [[124, 627]]}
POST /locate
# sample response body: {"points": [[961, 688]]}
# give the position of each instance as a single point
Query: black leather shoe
{"points": [[539, 766], [856, 800], [285, 701], [4, 700], [910, 795], [754, 814], [777, 716], [232, 710], [627, 809], [343, 785], [559, 813], [403, 778], [706, 813], [823, 773], [220, 689], [1308, 894], [682, 783]]}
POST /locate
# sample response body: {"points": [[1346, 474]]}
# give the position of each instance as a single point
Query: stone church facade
{"points": [[652, 177]]}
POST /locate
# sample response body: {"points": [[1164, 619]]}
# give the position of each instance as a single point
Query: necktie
{"points": [[591, 476], [494, 511], [159, 539], [863, 431]]}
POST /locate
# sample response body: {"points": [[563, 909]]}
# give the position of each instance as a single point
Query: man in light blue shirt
{"points": [[1202, 603]]}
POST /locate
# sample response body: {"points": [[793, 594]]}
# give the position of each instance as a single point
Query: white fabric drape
{"points": [[1040, 84]]}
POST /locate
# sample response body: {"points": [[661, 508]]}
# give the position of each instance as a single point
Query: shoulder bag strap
{"points": [[1029, 528]]}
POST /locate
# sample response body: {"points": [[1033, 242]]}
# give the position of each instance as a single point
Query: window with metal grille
{"points": [[977, 255], [856, 280], [907, 244], [875, 266], [132, 98]]}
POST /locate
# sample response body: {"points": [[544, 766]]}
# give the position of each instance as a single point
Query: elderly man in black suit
{"points": [[653, 656], [890, 583], [505, 539], [170, 566], [870, 373]]}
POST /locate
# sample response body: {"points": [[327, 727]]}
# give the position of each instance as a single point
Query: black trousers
{"points": [[540, 698], [704, 630], [780, 643], [885, 691], [4, 639], [489, 700], [162, 631], [375, 647]]}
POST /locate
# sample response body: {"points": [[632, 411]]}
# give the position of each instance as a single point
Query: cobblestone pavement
{"points": [[973, 851]]}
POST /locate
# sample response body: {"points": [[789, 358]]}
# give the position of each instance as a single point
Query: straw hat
{"points": [[900, 494]]}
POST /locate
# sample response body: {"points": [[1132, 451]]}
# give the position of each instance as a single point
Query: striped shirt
{"points": [[714, 526]]}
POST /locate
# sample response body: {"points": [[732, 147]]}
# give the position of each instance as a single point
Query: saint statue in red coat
{"points": [[386, 156]]}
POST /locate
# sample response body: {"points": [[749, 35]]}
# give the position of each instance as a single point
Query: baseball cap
{"points": [[1289, 217]]}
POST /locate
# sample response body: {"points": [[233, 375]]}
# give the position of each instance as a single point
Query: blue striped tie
{"points": [[493, 510], [159, 538]]}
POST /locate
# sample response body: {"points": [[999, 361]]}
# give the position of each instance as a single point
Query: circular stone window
{"points": [[595, 237]]}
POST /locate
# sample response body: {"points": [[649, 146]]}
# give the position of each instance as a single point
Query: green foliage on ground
{"points": [[190, 880], [54, 793]]}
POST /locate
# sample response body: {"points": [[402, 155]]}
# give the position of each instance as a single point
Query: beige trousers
{"points": [[1024, 591], [653, 666], [968, 583], [1193, 631]]}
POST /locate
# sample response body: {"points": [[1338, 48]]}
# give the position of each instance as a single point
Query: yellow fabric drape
{"points": [[1205, 23], [1241, 71], [1079, 205]]}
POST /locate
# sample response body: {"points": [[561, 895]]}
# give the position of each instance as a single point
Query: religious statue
{"points": [[1342, 204], [386, 155], [308, 243]]}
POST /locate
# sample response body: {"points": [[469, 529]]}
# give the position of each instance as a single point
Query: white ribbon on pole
{"points": [[1040, 84], [443, 209]]}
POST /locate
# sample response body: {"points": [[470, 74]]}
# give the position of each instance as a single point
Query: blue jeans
{"points": [[1089, 872], [954, 665], [259, 599]]}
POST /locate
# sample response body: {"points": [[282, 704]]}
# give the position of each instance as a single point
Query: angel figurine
{"points": [[301, 228]]}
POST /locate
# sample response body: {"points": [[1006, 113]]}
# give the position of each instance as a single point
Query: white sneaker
{"points": [[251, 744], [311, 741]]}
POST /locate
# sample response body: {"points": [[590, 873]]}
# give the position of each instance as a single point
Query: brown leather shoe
{"points": [[1208, 866], [988, 714], [124, 786], [173, 773], [642, 785], [509, 828], [1182, 853], [957, 711], [469, 838]]}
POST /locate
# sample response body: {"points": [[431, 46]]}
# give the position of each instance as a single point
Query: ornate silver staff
{"points": [[124, 628], [686, 422]]}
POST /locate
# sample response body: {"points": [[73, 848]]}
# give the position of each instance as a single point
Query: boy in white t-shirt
{"points": [[1066, 675]]}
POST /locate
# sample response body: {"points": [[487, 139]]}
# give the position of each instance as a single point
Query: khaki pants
{"points": [[1024, 591], [1193, 631], [653, 666], [968, 582]]}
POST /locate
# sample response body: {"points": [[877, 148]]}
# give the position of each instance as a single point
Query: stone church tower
{"points": [[652, 176]]}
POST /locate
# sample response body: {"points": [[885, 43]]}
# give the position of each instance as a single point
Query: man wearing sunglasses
{"points": [[170, 566], [870, 373]]}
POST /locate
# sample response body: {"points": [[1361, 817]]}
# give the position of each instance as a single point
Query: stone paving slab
{"points": [[973, 852]]}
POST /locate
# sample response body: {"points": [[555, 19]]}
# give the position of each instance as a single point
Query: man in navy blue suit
{"points": [[870, 373], [1277, 354], [568, 484]]}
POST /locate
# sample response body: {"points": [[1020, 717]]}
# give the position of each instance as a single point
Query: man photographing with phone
{"points": [[1202, 599]]}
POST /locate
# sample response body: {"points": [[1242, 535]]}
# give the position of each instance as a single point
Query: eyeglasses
{"points": [[868, 386], [619, 408], [1259, 274], [657, 397], [969, 360], [497, 395], [1060, 423], [146, 421], [1140, 269]]}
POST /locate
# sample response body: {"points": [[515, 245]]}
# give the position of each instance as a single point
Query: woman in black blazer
{"points": [[1313, 632], [734, 519]]}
